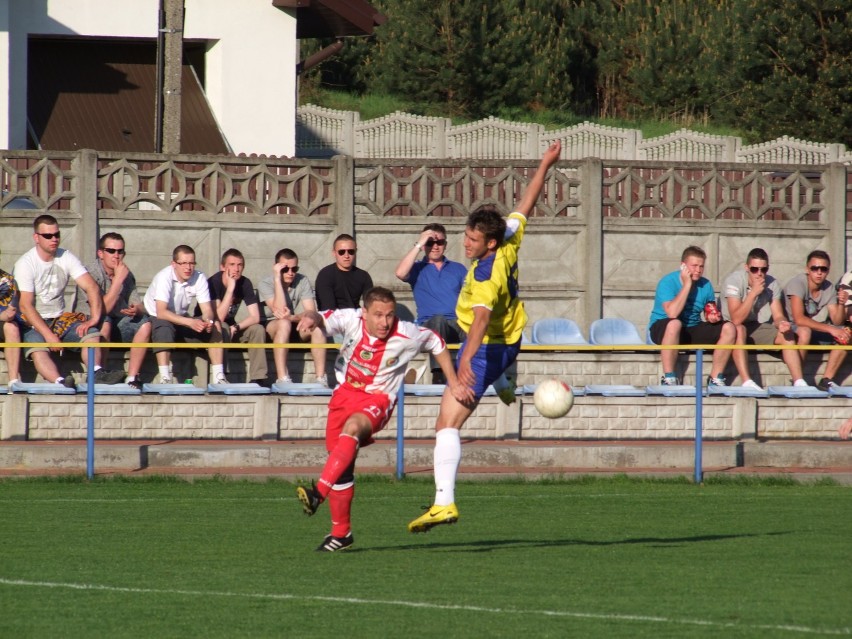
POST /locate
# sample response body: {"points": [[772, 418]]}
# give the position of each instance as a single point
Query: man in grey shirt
{"points": [[125, 319], [752, 300], [815, 307], [282, 293]]}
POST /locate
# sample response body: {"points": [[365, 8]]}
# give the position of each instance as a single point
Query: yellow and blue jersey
{"points": [[493, 283]]}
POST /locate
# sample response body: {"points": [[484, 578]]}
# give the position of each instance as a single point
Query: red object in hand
{"points": [[711, 311], [847, 334]]}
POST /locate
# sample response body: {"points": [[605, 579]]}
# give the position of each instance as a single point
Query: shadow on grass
{"points": [[488, 545]]}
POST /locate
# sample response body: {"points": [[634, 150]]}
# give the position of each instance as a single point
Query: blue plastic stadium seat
{"points": [[557, 331], [612, 331]]}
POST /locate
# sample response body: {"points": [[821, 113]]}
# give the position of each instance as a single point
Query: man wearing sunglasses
{"points": [[815, 308], [229, 288], [125, 319], [436, 283], [342, 284], [42, 273], [752, 299], [284, 293]]}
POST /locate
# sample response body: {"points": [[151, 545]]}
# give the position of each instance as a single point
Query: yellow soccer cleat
{"points": [[435, 516]]}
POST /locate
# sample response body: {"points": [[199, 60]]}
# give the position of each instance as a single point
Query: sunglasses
{"points": [[287, 269], [345, 251], [436, 242], [113, 251], [821, 269], [49, 236], [758, 269]]}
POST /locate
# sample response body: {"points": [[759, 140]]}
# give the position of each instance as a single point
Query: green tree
{"points": [[793, 71]]}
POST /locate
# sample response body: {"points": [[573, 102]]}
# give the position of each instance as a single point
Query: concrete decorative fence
{"points": [[322, 132]]}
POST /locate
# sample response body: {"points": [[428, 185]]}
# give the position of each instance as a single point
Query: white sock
{"points": [[447, 458], [217, 369], [131, 378], [164, 371]]}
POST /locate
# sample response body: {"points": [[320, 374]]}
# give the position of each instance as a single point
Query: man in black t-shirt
{"points": [[228, 289], [342, 284]]}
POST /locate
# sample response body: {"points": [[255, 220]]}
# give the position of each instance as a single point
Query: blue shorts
{"points": [[31, 335], [489, 362]]}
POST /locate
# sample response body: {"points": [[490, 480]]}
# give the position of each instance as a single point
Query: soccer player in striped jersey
{"points": [[492, 315], [374, 355]]}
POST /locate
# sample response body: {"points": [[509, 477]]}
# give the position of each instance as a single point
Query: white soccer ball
{"points": [[553, 398]]}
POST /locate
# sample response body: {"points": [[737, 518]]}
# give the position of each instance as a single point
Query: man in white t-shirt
{"points": [[168, 299], [42, 273]]}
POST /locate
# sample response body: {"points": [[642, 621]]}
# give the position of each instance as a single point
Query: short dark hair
{"points": [[489, 222], [757, 254], [285, 254], [437, 228], [693, 251], [378, 294], [44, 219], [818, 254], [109, 236], [182, 248], [343, 237], [232, 252]]}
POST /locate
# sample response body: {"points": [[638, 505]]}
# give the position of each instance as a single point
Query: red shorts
{"points": [[345, 402]]}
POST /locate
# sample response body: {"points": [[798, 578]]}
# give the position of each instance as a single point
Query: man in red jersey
{"points": [[374, 356]]}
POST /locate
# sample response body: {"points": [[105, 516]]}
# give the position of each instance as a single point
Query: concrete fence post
{"points": [[344, 194], [591, 208], [85, 242], [835, 209]]}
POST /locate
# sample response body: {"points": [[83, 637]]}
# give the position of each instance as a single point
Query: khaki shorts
{"points": [[760, 333]]}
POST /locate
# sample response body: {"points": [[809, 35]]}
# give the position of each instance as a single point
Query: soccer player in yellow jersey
{"points": [[493, 317]]}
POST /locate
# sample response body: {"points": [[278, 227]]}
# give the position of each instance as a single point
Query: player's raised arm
{"points": [[533, 190]]}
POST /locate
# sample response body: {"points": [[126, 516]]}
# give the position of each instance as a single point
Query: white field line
{"points": [[432, 606]]}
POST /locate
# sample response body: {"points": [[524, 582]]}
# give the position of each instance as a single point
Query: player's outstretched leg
{"points": [[434, 516], [447, 458]]}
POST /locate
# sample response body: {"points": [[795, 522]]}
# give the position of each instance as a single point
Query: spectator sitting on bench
{"points": [[283, 293], [167, 301], [125, 319], [42, 273], [676, 317]]}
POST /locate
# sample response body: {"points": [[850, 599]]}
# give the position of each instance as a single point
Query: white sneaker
{"points": [[167, 380], [220, 379], [800, 383], [750, 383], [284, 380], [322, 381]]}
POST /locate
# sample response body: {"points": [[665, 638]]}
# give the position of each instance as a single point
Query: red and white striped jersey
{"points": [[373, 365]]}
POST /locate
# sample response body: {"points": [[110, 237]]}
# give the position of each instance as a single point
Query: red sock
{"points": [[340, 507], [339, 460]]}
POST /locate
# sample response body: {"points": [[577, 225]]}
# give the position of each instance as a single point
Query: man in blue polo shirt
{"points": [[435, 282]]}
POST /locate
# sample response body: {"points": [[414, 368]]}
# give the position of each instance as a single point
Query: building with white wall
{"points": [[78, 73]]}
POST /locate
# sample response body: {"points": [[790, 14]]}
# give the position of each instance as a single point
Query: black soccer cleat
{"points": [[333, 544], [310, 498]]}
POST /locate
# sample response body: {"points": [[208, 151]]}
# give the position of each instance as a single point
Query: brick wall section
{"points": [[41, 417], [299, 418]]}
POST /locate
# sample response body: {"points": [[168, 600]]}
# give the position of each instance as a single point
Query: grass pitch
{"points": [[589, 558]]}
